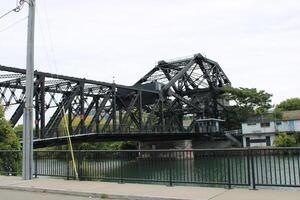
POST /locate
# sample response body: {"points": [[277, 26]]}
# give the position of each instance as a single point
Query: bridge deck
{"points": [[101, 137]]}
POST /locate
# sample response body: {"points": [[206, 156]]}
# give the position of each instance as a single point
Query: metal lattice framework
{"points": [[159, 102]]}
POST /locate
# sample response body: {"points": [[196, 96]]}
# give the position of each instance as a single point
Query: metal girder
{"points": [[98, 112], [58, 114], [87, 112], [19, 111], [185, 101], [178, 75], [129, 110], [169, 92]]}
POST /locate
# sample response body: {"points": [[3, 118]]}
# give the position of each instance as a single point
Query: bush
{"points": [[9, 160], [297, 137], [284, 140]]}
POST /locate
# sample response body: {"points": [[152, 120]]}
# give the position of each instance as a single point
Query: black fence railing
{"points": [[229, 167]]}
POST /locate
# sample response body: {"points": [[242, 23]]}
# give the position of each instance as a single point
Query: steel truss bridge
{"points": [[165, 104]]}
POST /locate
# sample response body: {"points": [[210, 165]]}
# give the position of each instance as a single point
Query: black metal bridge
{"points": [[166, 104]]}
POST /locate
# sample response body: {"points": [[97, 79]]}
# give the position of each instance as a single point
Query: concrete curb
{"points": [[88, 194]]}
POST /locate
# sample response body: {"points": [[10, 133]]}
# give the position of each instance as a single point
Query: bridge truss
{"points": [[168, 99]]}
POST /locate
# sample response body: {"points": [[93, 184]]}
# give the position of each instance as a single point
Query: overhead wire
{"points": [[62, 109], [19, 7], [13, 24]]}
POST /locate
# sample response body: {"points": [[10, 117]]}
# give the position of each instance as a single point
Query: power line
{"points": [[52, 53], [16, 9], [13, 24]]}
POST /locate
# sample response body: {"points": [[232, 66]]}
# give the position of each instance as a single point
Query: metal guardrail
{"points": [[229, 167]]}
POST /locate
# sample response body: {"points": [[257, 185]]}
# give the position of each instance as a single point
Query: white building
{"points": [[262, 132]]}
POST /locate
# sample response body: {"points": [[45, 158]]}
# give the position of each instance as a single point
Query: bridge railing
{"points": [[227, 167]]}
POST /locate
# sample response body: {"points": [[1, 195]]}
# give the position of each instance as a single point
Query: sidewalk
{"points": [[141, 191]]}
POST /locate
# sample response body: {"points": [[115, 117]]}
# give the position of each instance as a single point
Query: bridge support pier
{"points": [[210, 144], [179, 144]]}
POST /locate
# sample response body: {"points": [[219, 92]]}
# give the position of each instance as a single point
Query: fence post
{"points": [[67, 165], [122, 160], [228, 171], [79, 168], [35, 164], [248, 167], [170, 169], [252, 171]]}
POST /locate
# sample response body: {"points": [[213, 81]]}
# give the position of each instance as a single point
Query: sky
{"points": [[257, 43]]}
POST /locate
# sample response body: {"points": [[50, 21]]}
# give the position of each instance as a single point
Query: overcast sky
{"points": [[257, 43]]}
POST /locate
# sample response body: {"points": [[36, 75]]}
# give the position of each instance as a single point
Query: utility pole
{"points": [[28, 111]]}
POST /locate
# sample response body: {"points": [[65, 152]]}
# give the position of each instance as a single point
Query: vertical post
{"points": [[140, 111], [28, 111], [35, 164], [248, 167], [122, 165], [114, 108], [161, 110], [170, 168], [42, 111], [228, 170], [70, 110], [97, 120], [67, 165], [37, 112], [252, 170], [82, 125], [120, 120], [79, 167]]}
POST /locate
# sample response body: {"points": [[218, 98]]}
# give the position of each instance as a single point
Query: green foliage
{"points": [[19, 131], [289, 104], [103, 196], [250, 98], [9, 161], [277, 114], [8, 138], [297, 137], [247, 102], [284, 140]]}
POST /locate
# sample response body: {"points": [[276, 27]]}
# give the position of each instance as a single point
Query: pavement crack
{"points": [[219, 194]]}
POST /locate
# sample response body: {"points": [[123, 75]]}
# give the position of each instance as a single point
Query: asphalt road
{"points": [[20, 195]]}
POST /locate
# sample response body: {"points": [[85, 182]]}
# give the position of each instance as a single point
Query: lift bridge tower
{"points": [[190, 91]]}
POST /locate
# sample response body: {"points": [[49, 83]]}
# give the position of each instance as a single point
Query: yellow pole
{"points": [[70, 143]]}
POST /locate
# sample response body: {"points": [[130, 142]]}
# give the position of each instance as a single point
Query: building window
{"points": [[265, 124], [268, 141], [278, 123], [247, 142]]}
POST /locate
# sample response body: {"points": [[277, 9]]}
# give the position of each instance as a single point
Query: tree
{"points": [[19, 130], [8, 138], [245, 102], [289, 104], [9, 160], [284, 140]]}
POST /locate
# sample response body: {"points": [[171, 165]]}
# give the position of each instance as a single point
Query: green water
{"points": [[237, 170]]}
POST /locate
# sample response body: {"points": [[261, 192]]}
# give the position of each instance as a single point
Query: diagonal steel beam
{"points": [[58, 114], [128, 110], [19, 111], [178, 75], [98, 111], [87, 112], [185, 101]]}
